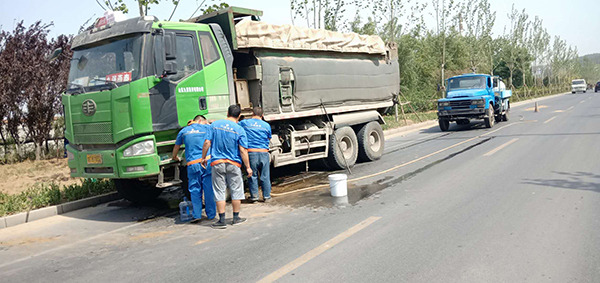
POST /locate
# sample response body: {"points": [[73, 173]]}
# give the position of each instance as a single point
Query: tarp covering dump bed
{"points": [[255, 34], [337, 82]]}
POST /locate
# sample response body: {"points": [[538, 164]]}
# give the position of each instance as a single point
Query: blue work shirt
{"points": [[258, 132], [193, 136], [226, 138]]}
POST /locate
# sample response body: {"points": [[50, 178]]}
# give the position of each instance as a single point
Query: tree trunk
{"points": [[141, 9]]}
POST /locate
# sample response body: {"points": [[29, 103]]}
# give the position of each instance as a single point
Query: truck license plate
{"points": [[94, 159]]}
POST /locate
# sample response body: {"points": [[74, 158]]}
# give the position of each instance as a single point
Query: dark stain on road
{"points": [[322, 197]]}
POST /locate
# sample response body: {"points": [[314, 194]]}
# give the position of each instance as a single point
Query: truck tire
{"points": [[370, 142], [489, 121], [349, 145], [137, 191], [505, 115], [184, 181], [444, 125]]}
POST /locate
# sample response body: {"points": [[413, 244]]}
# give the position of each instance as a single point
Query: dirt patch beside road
{"points": [[15, 178]]}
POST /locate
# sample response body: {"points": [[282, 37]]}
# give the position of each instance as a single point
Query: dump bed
{"points": [[293, 72]]}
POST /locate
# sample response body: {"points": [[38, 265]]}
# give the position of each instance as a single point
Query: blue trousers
{"points": [[259, 162], [199, 181]]}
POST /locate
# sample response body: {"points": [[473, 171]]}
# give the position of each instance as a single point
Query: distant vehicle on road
{"points": [[578, 85], [597, 87], [474, 96]]}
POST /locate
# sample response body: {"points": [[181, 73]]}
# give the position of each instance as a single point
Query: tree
{"points": [[320, 14], [32, 87]]}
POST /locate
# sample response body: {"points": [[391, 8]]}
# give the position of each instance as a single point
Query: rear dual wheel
{"points": [[346, 146]]}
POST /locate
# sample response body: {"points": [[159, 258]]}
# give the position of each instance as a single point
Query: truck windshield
{"points": [[112, 63], [466, 83], [578, 82]]}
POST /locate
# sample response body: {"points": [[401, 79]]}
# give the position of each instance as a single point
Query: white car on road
{"points": [[578, 85]]}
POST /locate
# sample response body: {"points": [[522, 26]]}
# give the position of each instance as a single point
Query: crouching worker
{"points": [[199, 177], [228, 146], [259, 135]]}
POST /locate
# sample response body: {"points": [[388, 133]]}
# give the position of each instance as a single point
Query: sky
{"points": [[576, 21]]}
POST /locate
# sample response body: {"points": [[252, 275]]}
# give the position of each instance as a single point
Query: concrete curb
{"points": [[537, 99], [37, 214]]}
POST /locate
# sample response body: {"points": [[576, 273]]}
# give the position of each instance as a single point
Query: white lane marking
{"points": [[318, 250], [570, 108], [582, 101], [547, 121], [500, 147], [78, 242]]}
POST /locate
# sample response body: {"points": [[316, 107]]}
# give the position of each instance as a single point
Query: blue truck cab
{"points": [[474, 96]]}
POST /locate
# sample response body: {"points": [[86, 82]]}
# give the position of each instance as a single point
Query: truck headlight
{"points": [[443, 104], [140, 148], [70, 156], [478, 102]]}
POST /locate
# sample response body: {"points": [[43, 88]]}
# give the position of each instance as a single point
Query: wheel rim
{"points": [[346, 147], [374, 141]]}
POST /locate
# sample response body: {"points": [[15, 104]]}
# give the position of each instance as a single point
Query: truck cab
{"points": [[473, 96]]}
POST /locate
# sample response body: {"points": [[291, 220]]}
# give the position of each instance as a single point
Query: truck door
{"points": [[217, 95], [176, 99]]}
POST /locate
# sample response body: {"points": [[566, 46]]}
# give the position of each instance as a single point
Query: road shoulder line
{"points": [[318, 250], [500, 147]]}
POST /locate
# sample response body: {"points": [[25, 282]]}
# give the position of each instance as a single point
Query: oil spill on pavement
{"points": [[322, 198]]}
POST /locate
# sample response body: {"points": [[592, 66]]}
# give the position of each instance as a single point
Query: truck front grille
{"points": [[93, 133], [461, 104]]}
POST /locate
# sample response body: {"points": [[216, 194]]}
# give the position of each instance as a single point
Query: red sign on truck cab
{"points": [[119, 77]]}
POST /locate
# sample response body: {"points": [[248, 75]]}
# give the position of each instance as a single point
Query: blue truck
{"points": [[474, 96]]}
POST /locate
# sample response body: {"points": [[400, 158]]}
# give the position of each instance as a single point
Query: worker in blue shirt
{"points": [[228, 146], [259, 135], [199, 177]]}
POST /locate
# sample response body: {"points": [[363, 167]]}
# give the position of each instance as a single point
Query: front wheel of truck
{"points": [[490, 119], [444, 125], [137, 191]]}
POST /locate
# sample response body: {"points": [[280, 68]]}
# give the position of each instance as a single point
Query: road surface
{"points": [[516, 203]]}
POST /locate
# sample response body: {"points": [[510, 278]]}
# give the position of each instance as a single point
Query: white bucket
{"points": [[338, 184]]}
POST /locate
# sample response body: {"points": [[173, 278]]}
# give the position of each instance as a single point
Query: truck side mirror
{"points": [[54, 55], [170, 46]]}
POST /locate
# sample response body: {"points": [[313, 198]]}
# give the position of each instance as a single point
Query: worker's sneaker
{"points": [[238, 220], [253, 200], [219, 225], [268, 199], [195, 220]]}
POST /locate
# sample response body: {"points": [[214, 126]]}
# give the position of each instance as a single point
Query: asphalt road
{"points": [[516, 203]]}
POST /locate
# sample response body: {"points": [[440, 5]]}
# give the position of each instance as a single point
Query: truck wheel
{"points": [[444, 125], [137, 191], [370, 142], [505, 115], [347, 149], [184, 181], [489, 121]]}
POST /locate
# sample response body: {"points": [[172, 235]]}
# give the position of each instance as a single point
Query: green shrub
{"points": [[42, 195]]}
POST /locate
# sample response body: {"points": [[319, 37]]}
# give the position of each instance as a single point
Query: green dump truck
{"points": [[134, 83]]}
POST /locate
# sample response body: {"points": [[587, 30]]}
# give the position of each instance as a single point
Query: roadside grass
{"points": [[47, 194], [411, 118]]}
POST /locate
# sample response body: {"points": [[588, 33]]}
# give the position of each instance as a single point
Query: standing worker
{"points": [[228, 145], [259, 135], [199, 177]]}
